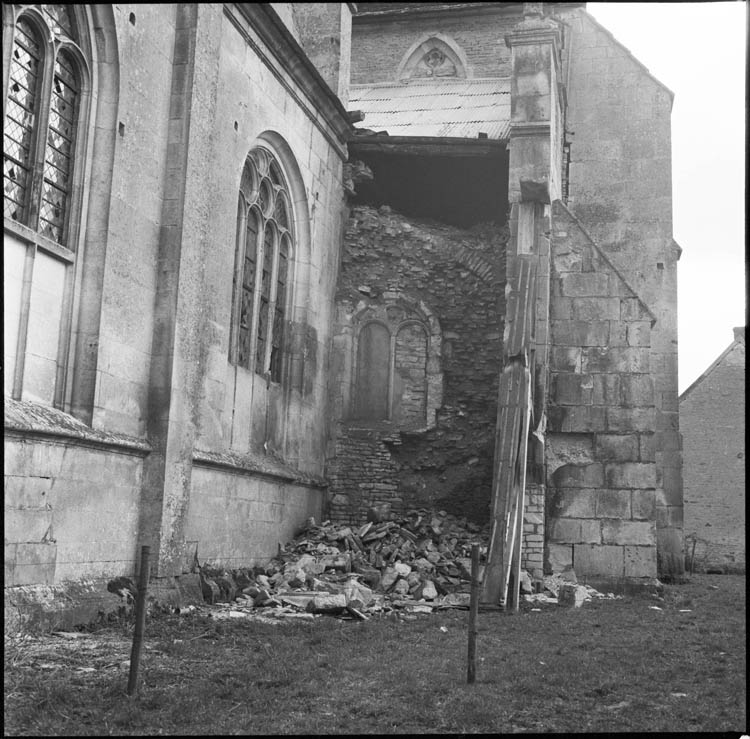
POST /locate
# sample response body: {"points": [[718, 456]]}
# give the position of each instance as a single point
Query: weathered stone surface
{"points": [[525, 584], [629, 532], [582, 476], [327, 604], [389, 578], [591, 559], [354, 590], [571, 595], [637, 475], [640, 561], [617, 447], [402, 569], [560, 556], [613, 504], [401, 587]]}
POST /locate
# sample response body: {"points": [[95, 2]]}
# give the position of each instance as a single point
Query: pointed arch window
{"points": [[46, 105], [41, 123], [265, 245]]}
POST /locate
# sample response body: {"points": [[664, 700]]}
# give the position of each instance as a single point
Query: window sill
{"points": [[24, 418], [28, 235]]}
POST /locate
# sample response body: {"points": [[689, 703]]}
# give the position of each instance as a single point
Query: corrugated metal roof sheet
{"points": [[462, 108]]}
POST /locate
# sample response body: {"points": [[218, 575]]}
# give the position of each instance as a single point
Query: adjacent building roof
{"points": [[457, 108], [739, 340]]}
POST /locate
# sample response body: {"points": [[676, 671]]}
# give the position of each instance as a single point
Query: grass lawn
{"points": [[612, 665]]}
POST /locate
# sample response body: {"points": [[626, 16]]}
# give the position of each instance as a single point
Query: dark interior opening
{"points": [[458, 190]]}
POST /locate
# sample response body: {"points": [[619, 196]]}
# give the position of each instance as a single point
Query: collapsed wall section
{"points": [[419, 320], [601, 472]]}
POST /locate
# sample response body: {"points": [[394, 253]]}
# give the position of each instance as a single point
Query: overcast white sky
{"points": [[698, 51]]}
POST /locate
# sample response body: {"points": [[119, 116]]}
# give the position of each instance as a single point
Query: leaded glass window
{"points": [[20, 119], [41, 123], [264, 253], [47, 99]]}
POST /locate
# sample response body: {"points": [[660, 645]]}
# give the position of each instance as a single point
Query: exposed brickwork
{"points": [[410, 390], [458, 274], [379, 49], [532, 550], [712, 419], [364, 474]]}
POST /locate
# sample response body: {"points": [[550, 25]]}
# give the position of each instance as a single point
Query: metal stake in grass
{"points": [[473, 608], [140, 620]]}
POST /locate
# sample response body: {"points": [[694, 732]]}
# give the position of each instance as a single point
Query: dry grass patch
{"points": [[610, 666]]}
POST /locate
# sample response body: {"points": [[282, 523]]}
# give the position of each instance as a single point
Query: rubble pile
{"points": [[416, 564]]}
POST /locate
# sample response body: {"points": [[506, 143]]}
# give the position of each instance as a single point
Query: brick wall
{"points": [[378, 48], [600, 457], [458, 275], [532, 550], [712, 419]]}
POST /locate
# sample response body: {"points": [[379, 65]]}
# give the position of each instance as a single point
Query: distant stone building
{"points": [[712, 413], [228, 309]]}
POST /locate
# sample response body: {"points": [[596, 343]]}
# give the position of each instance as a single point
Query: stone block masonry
{"points": [[620, 190], [600, 505]]}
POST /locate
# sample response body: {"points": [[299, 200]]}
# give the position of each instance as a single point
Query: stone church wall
{"points": [[620, 188], [194, 88], [600, 506]]}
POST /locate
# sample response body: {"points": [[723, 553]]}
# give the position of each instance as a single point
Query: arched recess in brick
{"points": [[410, 362], [409, 401], [433, 56], [373, 373]]}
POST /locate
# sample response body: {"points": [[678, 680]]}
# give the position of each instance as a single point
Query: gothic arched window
{"points": [[46, 107], [265, 244]]}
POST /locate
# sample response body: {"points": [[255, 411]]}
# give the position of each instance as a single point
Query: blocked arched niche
{"points": [[396, 346], [433, 56]]}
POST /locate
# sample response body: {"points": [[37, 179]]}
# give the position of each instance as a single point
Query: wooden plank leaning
{"points": [[512, 430]]}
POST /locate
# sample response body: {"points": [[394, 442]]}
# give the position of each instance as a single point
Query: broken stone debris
{"points": [[419, 563], [563, 589]]}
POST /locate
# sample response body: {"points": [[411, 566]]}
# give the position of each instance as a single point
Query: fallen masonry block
{"points": [[330, 604], [572, 596]]}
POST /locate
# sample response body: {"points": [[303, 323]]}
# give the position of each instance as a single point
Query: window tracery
{"points": [[265, 243], [47, 104]]}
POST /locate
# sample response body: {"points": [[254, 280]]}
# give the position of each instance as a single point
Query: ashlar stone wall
{"points": [[620, 188], [601, 477]]}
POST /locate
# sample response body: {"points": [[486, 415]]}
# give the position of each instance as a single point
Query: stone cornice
{"points": [[532, 128], [24, 419], [536, 31], [256, 465], [291, 57]]}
